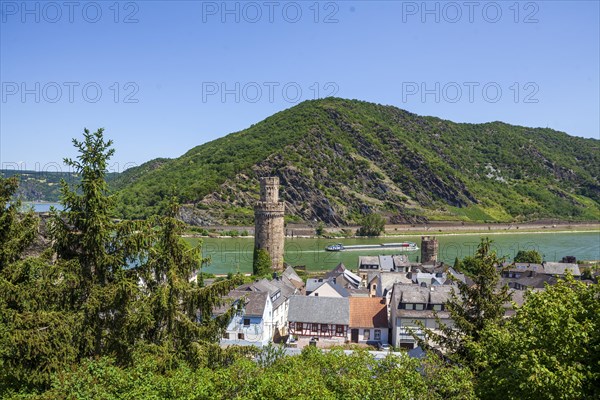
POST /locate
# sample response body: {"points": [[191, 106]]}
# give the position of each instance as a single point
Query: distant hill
{"points": [[338, 159], [43, 185]]}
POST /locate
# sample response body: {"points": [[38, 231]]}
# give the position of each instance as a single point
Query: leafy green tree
{"points": [[371, 225], [261, 263], [550, 349], [474, 307], [320, 229], [528, 256], [331, 375]]}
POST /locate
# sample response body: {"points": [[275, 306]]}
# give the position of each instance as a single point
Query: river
{"points": [[41, 206], [235, 254]]}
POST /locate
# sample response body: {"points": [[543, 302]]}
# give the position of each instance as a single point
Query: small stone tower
{"points": [[429, 249], [268, 222]]}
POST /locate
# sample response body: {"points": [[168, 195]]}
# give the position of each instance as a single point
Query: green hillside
{"points": [[44, 185], [338, 159]]}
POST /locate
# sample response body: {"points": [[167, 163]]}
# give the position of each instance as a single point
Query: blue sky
{"points": [[163, 77]]}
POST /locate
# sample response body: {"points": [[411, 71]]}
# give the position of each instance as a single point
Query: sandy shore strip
{"points": [[437, 228]]}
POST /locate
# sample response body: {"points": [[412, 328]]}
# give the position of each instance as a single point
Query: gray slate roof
{"points": [[339, 269], [291, 274], [367, 260], [401, 260], [313, 284], [282, 285], [254, 305], [319, 310], [417, 294], [557, 268], [386, 263]]}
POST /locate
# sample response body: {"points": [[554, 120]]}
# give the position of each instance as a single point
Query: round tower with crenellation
{"points": [[268, 222], [429, 249]]}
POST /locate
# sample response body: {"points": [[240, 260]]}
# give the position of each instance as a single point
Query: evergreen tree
{"points": [[474, 307], [261, 263], [36, 334], [85, 233], [17, 230], [105, 288], [177, 312]]}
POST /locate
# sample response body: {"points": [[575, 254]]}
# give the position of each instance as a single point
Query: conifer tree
{"points": [[17, 230], [86, 233], [261, 262], [36, 334], [177, 311], [475, 306]]}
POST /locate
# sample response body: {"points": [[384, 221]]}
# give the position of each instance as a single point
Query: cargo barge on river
{"points": [[404, 246]]}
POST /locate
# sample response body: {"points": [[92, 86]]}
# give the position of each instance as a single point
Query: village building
{"points": [[555, 269], [368, 320], [410, 304], [383, 263], [344, 277], [280, 289], [380, 284], [326, 319], [325, 287], [250, 325]]}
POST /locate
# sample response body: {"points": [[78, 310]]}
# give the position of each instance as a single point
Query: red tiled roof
{"points": [[368, 312]]}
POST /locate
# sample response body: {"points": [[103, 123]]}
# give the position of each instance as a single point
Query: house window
{"points": [[377, 334], [246, 321], [324, 328], [291, 325], [316, 294], [408, 306], [315, 327], [367, 334], [226, 335], [419, 307], [240, 336], [339, 329], [437, 307], [298, 326]]}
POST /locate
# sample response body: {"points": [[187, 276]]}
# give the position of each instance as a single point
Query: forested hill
{"points": [[44, 185], [338, 159]]}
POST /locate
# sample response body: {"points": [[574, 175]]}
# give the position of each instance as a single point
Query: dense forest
{"points": [[97, 307], [340, 159]]}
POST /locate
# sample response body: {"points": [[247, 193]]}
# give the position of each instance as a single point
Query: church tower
{"points": [[268, 222]]}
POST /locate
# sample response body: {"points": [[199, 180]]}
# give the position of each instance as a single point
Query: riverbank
{"points": [[441, 228], [453, 228]]}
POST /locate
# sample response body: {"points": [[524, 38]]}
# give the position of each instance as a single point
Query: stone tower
{"points": [[429, 249], [268, 222]]}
